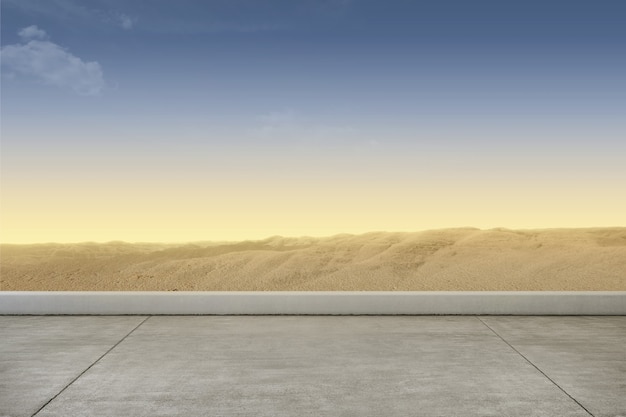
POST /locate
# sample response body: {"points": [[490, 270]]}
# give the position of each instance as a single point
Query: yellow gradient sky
{"points": [[300, 193]]}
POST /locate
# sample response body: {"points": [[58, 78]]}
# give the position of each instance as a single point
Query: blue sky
{"points": [[481, 89], [387, 65]]}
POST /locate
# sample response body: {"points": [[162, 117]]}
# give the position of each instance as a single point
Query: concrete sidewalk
{"points": [[312, 366]]}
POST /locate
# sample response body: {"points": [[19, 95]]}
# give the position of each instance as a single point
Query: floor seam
{"points": [[89, 367], [536, 367]]}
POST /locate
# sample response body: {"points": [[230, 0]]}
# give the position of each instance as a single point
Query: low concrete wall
{"points": [[334, 302]]}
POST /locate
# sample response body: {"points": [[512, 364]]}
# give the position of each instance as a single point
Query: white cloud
{"points": [[51, 64], [292, 126], [126, 21], [278, 121], [75, 10], [32, 32], [116, 18]]}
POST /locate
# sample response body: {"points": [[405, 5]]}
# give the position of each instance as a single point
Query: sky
{"points": [[155, 120]]}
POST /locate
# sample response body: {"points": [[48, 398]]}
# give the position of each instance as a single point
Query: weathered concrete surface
{"points": [[39, 356], [312, 365], [586, 356]]}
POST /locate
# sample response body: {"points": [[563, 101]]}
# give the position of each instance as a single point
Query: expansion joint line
{"points": [[89, 367], [535, 366]]}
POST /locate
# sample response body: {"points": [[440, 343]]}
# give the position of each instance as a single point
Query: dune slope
{"points": [[437, 260]]}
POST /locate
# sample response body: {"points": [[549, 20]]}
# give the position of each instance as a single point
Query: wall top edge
{"points": [[307, 293]]}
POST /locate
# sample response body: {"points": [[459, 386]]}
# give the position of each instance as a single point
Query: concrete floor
{"points": [[312, 366]]}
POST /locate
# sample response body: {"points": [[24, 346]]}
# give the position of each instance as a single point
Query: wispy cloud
{"points": [[294, 127], [32, 32], [121, 20], [189, 16], [51, 64], [277, 122], [76, 10], [125, 21]]}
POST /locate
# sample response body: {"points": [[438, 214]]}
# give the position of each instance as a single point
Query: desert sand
{"points": [[437, 260]]}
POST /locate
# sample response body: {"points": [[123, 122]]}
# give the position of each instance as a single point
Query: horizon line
{"points": [[226, 241]]}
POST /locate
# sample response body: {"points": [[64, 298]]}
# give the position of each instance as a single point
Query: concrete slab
{"points": [[314, 302], [290, 365], [586, 356], [313, 365], [39, 356]]}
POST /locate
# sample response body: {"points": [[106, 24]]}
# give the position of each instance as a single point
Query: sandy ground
{"points": [[437, 260]]}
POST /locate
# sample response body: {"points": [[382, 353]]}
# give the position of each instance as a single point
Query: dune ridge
{"points": [[464, 259]]}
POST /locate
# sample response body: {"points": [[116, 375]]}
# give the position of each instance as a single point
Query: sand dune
{"points": [[437, 260]]}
